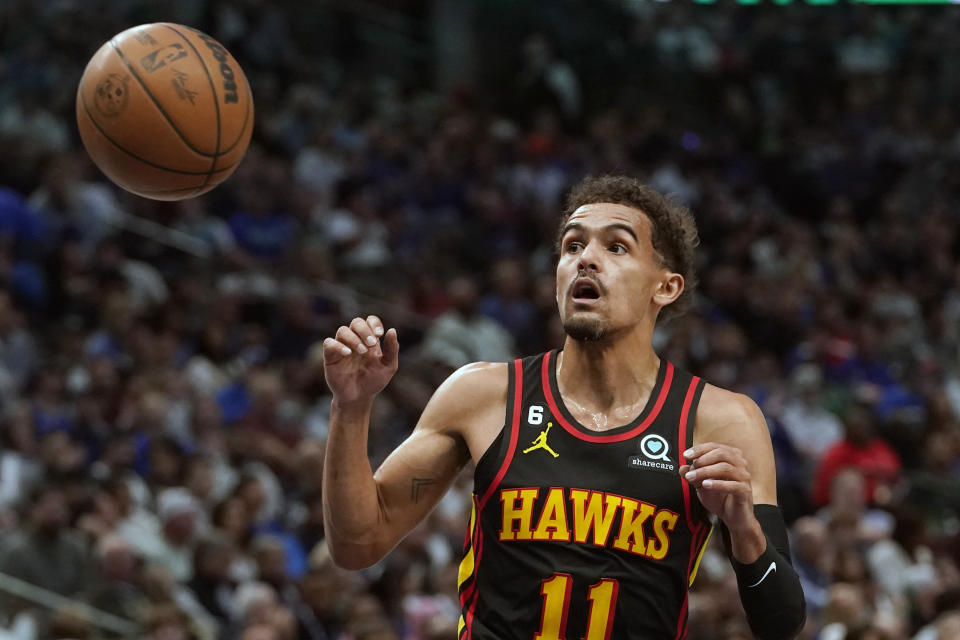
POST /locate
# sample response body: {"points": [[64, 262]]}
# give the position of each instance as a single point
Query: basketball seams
{"points": [[246, 123], [86, 110], [247, 113], [161, 192], [166, 116], [216, 99]]}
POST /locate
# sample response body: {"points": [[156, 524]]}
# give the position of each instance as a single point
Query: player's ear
{"points": [[668, 289]]}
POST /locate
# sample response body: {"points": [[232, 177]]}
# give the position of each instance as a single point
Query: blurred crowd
{"points": [[162, 412]]}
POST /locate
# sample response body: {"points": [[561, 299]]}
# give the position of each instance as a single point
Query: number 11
{"points": [[556, 604]]}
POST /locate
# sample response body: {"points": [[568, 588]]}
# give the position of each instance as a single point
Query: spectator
{"points": [[170, 545], [461, 335], [509, 303], [813, 562], [934, 489], [863, 450], [902, 565], [812, 428], [547, 82], [327, 590], [257, 604], [259, 227], [270, 555], [846, 610], [46, 552], [310, 531], [18, 351], [19, 467], [849, 519], [116, 590], [211, 584]]}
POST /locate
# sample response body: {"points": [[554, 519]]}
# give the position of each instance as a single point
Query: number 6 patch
{"points": [[535, 415]]}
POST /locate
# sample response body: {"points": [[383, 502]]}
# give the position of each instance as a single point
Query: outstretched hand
{"points": [[360, 361]]}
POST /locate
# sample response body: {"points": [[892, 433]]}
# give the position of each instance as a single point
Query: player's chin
{"points": [[585, 327]]}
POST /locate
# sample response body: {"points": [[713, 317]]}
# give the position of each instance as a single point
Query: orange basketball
{"points": [[165, 111]]}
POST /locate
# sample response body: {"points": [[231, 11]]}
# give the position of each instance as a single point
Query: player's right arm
{"points": [[366, 514]]}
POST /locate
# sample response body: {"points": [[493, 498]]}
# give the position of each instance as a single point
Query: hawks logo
{"points": [[587, 517]]}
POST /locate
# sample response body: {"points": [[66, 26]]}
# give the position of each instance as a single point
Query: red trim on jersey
{"points": [[514, 435], [696, 540], [465, 595], [470, 592], [682, 617], [508, 458], [473, 539], [478, 548], [696, 535], [682, 446], [619, 437]]}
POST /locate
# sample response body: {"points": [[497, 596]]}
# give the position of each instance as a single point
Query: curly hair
{"points": [[673, 229]]}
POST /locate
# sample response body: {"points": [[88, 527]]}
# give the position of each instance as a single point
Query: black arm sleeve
{"points": [[770, 588]]}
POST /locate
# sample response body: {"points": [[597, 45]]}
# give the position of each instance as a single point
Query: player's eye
{"points": [[573, 246], [617, 247]]}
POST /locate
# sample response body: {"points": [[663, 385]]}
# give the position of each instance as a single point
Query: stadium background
{"points": [[163, 424]]}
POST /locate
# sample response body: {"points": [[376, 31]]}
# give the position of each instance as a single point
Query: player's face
{"points": [[608, 272]]}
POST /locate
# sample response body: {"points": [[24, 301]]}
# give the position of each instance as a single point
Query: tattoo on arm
{"points": [[417, 484]]}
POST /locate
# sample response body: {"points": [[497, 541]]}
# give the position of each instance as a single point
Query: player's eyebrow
{"points": [[576, 226]]}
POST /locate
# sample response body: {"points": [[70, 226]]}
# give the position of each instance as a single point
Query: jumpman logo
{"points": [[541, 442]]}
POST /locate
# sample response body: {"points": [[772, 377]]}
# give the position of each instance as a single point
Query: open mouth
{"points": [[585, 290]]}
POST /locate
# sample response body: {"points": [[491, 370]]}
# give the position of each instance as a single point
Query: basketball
{"points": [[164, 111]]}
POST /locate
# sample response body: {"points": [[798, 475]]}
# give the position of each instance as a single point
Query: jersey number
{"points": [[535, 415], [556, 603]]}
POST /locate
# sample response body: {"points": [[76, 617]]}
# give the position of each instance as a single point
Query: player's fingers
{"points": [[334, 351], [698, 450], [390, 348], [704, 448], [718, 471], [376, 325], [722, 453], [708, 452], [360, 327], [349, 337], [727, 486]]}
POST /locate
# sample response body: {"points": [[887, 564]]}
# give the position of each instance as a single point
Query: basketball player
{"points": [[600, 468]]}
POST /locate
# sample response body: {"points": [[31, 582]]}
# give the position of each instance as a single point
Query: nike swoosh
{"points": [[772, 567]]}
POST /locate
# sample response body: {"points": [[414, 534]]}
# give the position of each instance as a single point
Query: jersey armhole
{"points": [[694, 511], [699, 385], [486, 468]]}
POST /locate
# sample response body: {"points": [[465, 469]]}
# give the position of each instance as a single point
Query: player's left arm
{"points": [[732, 468]]}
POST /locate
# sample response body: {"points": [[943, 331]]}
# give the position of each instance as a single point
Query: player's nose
{"points": [[589, 259]]}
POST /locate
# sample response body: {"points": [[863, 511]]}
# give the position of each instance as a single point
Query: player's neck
{"points": [[603, 376]]}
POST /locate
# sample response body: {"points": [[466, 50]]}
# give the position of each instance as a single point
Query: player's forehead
{"points": [[604, 215]]}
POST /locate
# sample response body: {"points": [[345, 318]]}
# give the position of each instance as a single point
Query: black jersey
{"points": [[580, 534]]}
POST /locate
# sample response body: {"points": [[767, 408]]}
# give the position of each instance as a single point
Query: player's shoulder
{"points": [[479, 378], [725, 415], [470, 391]]}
